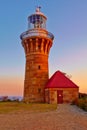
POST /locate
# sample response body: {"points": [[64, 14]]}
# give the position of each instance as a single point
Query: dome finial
{"points": [[38, 8]]}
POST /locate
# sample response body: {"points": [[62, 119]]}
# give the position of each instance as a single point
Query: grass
{"points": [[9, 107]]}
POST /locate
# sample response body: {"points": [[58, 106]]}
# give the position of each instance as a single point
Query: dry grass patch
{"points": [[8, 107]]}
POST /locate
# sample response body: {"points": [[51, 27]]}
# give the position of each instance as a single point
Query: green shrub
{"points": [[82, 103]]}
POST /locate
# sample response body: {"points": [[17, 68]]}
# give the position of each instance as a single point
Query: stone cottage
{"points": [[60, 89]]}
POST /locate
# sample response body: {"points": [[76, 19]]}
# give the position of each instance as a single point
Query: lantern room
{"points": [[37, 20]]}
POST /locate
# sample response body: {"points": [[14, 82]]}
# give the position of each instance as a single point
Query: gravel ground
{"points": [[66, 117]]}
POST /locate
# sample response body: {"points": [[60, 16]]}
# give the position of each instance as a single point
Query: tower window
{"points": [[39, 90], [39, 47], [39, 67]]}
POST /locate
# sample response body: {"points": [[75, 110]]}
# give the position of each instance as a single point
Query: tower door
{"points": [[60, 96]]}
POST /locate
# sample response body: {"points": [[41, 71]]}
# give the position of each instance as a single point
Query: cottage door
{"points": [[60, 96]]}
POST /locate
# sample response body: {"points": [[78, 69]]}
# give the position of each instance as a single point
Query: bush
{"points": [[82, 103]]}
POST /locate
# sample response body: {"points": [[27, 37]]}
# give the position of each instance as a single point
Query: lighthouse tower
{"points": [[36, 42]]}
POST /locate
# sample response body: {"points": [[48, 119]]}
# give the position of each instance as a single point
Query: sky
{"points": [[66, 19]]}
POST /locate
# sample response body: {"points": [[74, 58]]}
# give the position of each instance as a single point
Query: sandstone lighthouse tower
{"points": [[36, 42]]}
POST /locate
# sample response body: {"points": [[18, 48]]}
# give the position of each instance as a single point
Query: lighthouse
{"points": [[36, 42]]}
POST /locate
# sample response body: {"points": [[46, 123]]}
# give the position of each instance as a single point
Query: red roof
{"points": [[60, 80]]}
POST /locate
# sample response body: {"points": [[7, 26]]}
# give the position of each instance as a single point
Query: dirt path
{"points": [[66, 117]]}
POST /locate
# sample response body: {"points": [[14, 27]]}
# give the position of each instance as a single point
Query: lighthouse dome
{"points": [[37, 20]]}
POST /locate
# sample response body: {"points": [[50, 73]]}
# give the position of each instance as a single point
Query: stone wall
{"points": [[36, 69], [69, 95]]}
